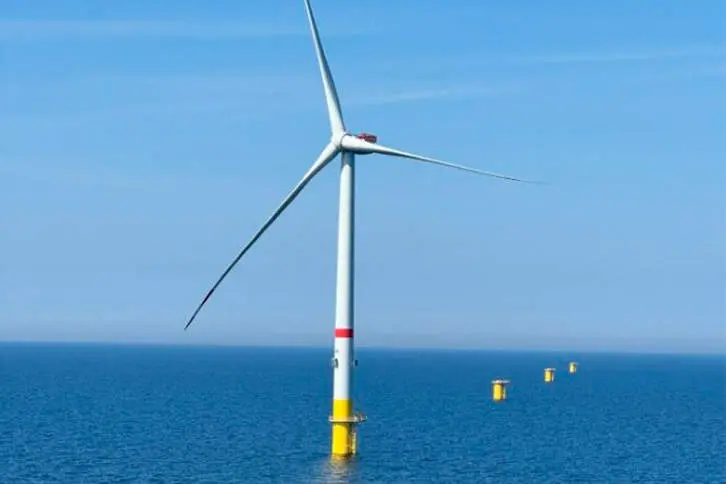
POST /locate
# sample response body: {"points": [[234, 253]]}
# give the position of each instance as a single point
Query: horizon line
{"points": [[423, 348]]}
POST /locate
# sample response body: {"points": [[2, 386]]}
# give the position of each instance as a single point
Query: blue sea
{"points": [[105, 413]]}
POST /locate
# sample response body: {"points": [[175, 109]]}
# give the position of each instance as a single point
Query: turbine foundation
{"points": [[345, 432], [549, 375], [499, 390]]}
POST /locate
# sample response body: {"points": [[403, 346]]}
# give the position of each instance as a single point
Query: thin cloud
{"points": [[35, 30], [98, 98], [224, 84], [718, 70], [109, 97], [421, 95], [244, 102], [75, 173], [632, 56]]}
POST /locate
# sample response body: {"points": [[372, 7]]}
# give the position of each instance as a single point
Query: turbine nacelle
{"points": [[362, 144], [371, 138]]}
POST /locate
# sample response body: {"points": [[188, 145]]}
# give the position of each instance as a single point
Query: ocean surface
{"points": [[104, 413]]}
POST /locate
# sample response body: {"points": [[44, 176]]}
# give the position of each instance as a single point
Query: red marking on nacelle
{"points": [[371, 138]]}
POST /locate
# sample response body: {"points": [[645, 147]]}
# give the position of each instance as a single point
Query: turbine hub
{"points": [[371, 138]]}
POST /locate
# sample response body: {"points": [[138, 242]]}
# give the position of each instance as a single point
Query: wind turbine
{"points": [[346, 144]]}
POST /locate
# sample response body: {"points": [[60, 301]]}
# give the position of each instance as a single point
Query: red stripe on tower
{"points": [[343, 333]]}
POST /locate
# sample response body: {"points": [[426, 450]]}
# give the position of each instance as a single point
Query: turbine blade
{"points": [[328, 153], [360, 145], [331, 94]]}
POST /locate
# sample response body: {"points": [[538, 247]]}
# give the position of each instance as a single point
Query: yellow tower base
{"points": [[573, 367], [499, 390], [549, 375], [345, 437]]}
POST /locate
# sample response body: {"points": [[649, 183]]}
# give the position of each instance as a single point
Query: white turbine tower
{"points": [[341, 142]]}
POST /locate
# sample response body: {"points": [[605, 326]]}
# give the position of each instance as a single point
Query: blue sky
{"points": [[145, 142]]}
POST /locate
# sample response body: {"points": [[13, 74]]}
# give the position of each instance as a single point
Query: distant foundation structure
{"points": [[549, 375], [499, 390]]}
